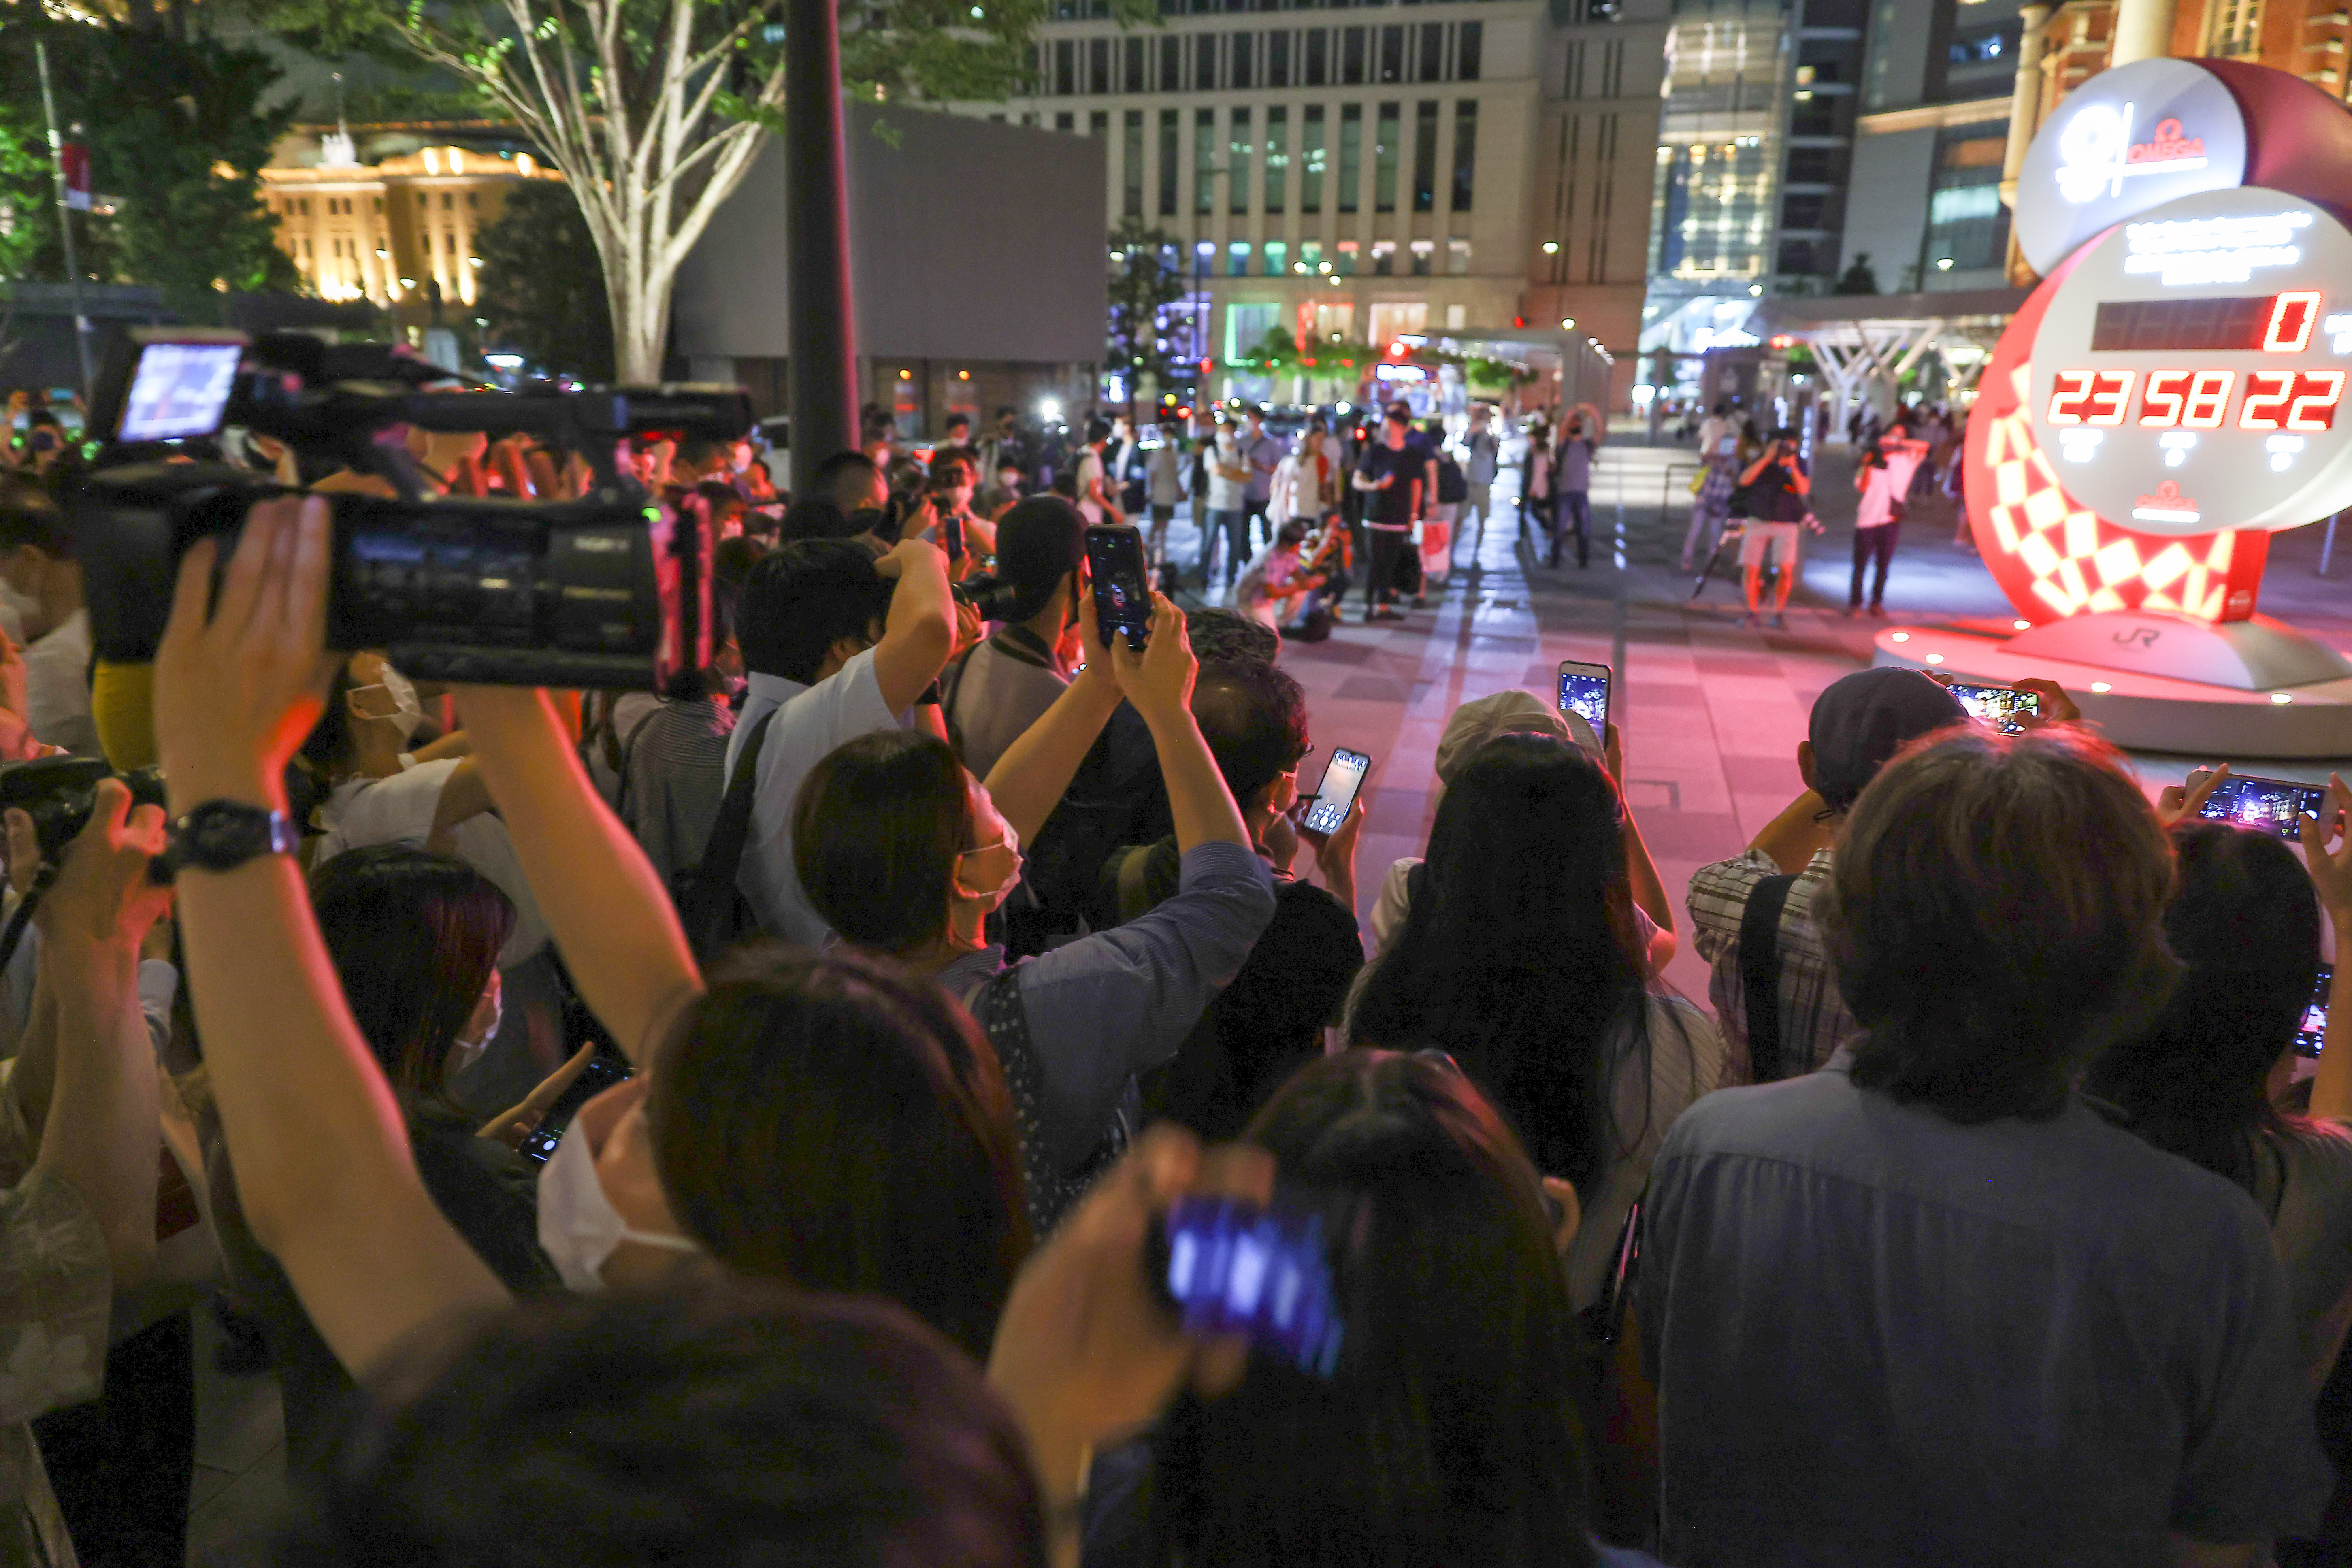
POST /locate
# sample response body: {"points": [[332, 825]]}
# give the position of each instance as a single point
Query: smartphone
{"points": [[1231, 1268], [1343, 776], [2273, 805], [2312, 1030], [1997, 706], [951, 528], [1122, 590], [1584, 690], [605, 1069]]}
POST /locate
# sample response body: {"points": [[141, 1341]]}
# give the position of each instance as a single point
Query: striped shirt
{"points": [[1814, 1018]]}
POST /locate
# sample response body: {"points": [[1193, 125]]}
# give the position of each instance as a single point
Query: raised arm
{"points": [[321, 1154], [1159, 682], [612, 916], [100, 1130], [918, 635], [1028, 780], [2331, 873]]}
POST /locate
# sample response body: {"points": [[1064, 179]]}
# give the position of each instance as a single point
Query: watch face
{"points": [[2189, 373]]}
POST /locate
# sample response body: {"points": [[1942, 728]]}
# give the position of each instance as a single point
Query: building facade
{"points": [[1471, 169], [1754, 158], [2066, 43], [389, 214]]}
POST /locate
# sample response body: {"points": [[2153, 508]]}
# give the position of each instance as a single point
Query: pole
{"points": [[820, 377], [65, 216]]}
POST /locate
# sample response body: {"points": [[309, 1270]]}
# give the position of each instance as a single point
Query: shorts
{"points": [[1755, 536]]}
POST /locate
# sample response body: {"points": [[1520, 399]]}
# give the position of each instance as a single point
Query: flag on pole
{"points": [[73, 160]]}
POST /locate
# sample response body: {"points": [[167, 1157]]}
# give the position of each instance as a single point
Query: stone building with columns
{"points": [[2066, 42]]}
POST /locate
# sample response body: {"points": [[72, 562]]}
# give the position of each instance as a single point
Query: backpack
{"points": [[1451, 485], [709, 905]]}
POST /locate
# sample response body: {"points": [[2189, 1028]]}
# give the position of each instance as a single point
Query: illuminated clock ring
{"points": [[2190, 369], [2051, 555]]}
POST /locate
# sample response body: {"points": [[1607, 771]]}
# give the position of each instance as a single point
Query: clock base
{"points": [[2304, 710]]}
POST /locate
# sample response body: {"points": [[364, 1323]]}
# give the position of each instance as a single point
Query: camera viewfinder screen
{"points": [[1997, 706], [1584, 691], [2313, 1027], [2272, 804], [179, 390]]}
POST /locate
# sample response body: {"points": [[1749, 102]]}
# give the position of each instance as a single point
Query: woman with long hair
{"points": [[1522, 959], [1448, 1431]]}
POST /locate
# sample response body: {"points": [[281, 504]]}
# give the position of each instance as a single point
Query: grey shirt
{"points": [[1109, 1005], [675, 778], [1004, 686], [1882, 1337], [1263, 453]]}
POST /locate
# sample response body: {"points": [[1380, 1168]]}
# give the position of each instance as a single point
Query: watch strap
{"points": [[221, 835]]}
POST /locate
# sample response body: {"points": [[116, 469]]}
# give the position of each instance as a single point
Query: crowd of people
{"points": [[928, 950]]}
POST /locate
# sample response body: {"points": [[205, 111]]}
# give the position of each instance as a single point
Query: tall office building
{"points": [[1755, 148], [1475, 166], [1925, 210]]}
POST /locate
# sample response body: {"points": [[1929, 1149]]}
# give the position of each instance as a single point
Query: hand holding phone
{"points": [[2274, 805], [1584, 691], [2003, 707], [1343, 778], [1233, 1267], [1122, 592]]}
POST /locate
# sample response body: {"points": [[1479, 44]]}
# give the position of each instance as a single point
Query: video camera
{"points": [[609, 591]]}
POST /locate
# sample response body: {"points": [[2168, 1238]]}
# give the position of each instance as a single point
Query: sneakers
{"points": [[1780, 622]]}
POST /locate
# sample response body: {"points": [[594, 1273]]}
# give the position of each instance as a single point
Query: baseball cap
{"points": [[1513, 712], [1865, 718]]}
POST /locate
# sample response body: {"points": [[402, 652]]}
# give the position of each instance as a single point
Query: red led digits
{"points": [[2066, 397], [2318, 392], [2267, 391], [2159, 406], [2208, 398], [2289, 329], [2110, 393]]}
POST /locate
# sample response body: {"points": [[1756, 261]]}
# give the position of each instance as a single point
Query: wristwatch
{"points": [[221, 835]]}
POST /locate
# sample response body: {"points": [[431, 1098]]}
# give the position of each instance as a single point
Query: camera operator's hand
{"points": [[2331, 870], [910, 553], [970, 628], [1159, 680], [1093, 651], [1086, 1348], [239, 686], [2057, 708], [102, 893], [2177, 803], [13, 678]]}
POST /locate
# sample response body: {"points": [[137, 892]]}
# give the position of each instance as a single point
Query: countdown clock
{"points": [[2190, 371]]}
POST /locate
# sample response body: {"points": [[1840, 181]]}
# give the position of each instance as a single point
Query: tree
{"points": [[653, 108], [1857, 278], [176, 137], [1143, 283], [540, 290]]}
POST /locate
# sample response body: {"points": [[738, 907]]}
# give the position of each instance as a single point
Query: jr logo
{"points": [[2138, 637]]}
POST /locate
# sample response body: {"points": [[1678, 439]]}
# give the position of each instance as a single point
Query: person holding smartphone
{"points": [[1772, 504]]}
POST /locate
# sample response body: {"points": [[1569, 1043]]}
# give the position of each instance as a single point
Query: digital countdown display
{"points": [[2190, 371]]}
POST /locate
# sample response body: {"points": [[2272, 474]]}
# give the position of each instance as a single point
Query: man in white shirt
{"points": [[1229, 480], [44, 582], [837, 645], [1885, 481]]}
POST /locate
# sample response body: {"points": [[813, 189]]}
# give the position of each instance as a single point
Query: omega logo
{"points": [[2169, 146]]}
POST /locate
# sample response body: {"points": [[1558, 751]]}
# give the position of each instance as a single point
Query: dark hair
{"points": [[722, 496], [1253, 718], [956, 419], [817, 516], [702, 454], [2245, 926], [875, 833], [1221, 635], [1993, 916], [830, 473], [1519, 956], [1097, 430], [803, 598], [28, 516], [832, 1120], [414, 938], [1448, 1432], [605, 1431], [1293, 532]]}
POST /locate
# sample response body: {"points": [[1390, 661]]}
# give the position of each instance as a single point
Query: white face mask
{"points": [[578, 1226], [407, 713], [464, 1053]]}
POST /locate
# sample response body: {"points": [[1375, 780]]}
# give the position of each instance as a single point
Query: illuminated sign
{"points": [[2174, 399], [2126, 141]]}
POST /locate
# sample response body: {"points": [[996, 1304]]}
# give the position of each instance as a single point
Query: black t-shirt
{"points": [[1391, 507], [1772, 495]]}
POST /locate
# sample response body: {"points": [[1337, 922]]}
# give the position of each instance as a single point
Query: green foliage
{"points": [[542, 291], [1143, 282], [176, 137]]}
